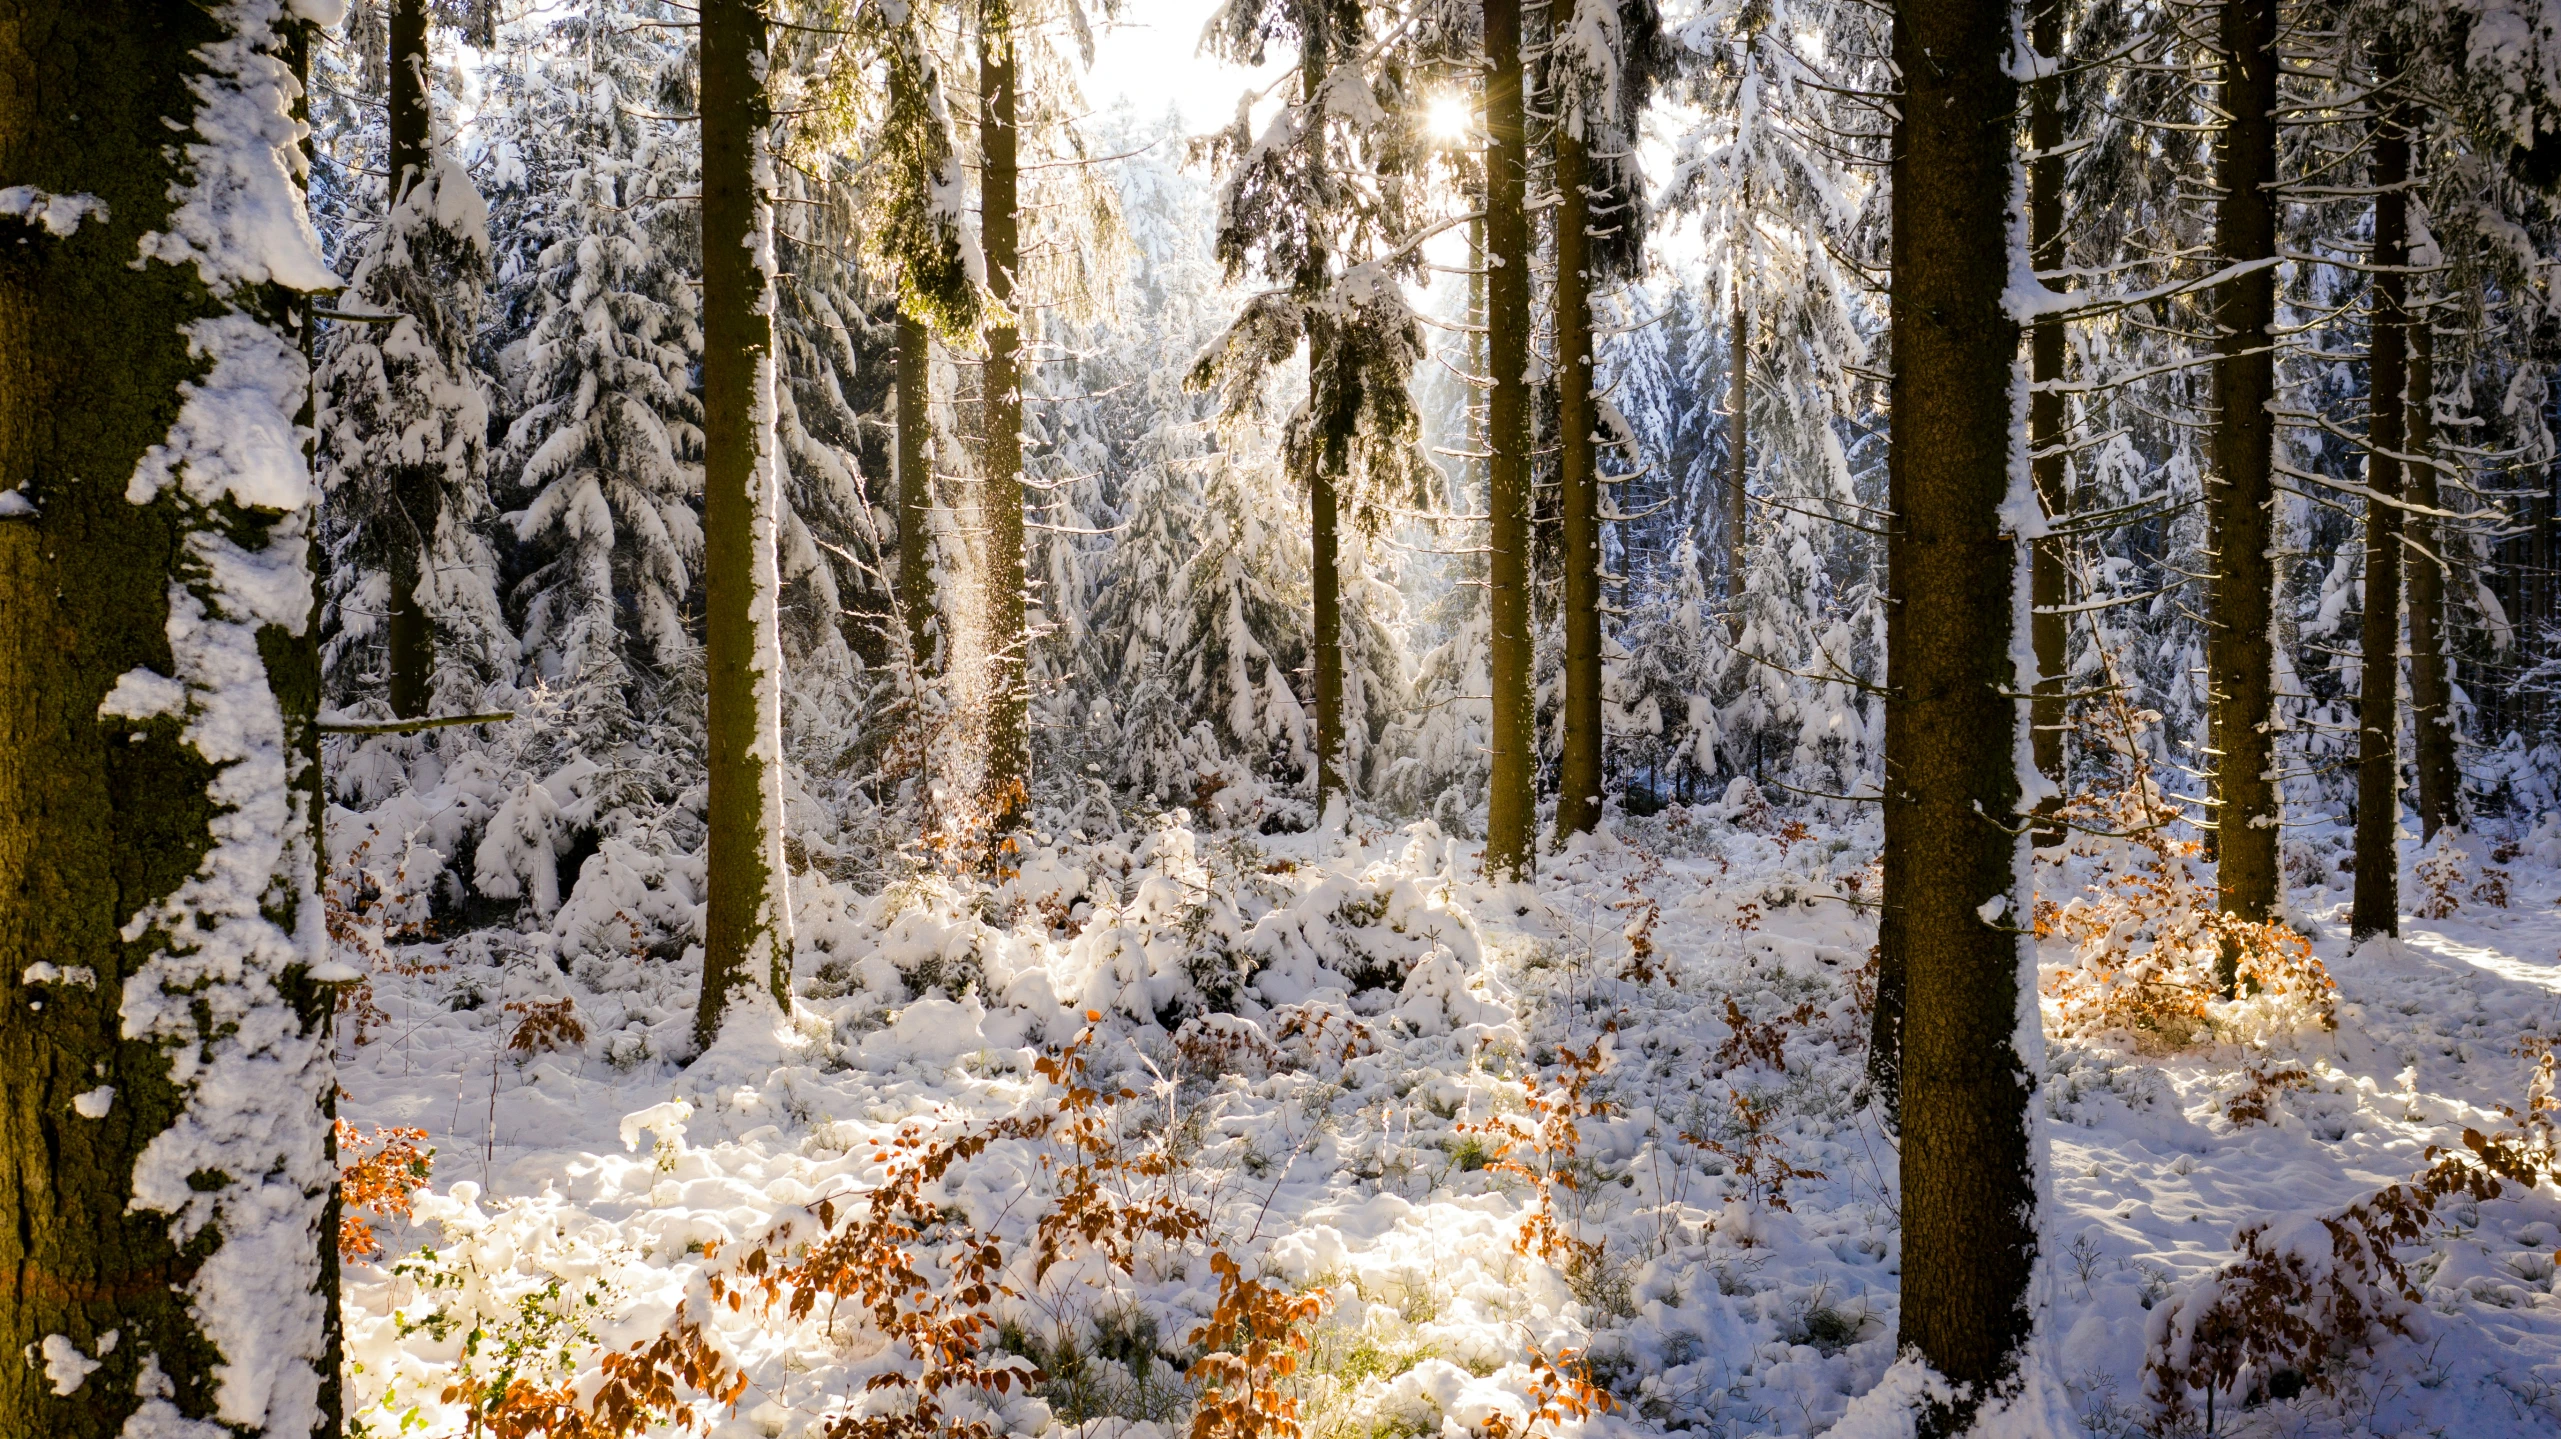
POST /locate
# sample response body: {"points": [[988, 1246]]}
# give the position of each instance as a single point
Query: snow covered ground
{"points": [[1733, 1209]]}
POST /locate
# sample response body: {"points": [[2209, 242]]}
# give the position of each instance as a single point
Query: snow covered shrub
{"points": [[386, 1170], [2450, 860], [2252, 1104], [2312, 1290], [520, 1301], [2149, 932], [1755, 1153]]}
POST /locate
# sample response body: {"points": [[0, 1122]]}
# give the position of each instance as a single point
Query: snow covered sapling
{"points": [[1756, 1154], [1543, 1147]]}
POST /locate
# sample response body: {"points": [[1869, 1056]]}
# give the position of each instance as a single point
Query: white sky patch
{"points": [[95, 1103]]}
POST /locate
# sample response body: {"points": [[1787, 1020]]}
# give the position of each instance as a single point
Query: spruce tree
{"points": [[167, 1207], [747, 933], [1321, 204], [412, 607], [1511, 802], [1000, 420], [1600, 70], [2376, 905], [2241, 492], [1953, 902]]}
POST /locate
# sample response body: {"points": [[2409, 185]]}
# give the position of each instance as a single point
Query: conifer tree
{"points": [[1000, 419], [1511, 801], [1321, 204], [1600, 70], [166, 1206], [747, 932], [1952, 904], [2241, 493], [404, 424], [2376, 907]]}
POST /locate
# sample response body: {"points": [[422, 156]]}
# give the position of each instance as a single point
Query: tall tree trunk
{"points": [[2048, 633], [409, 635], [915, 493], [2431, 682], [1952, 882], [1001, 453], [1578, 769], [2240, 653], [747, 914], [1738, 456], [159, 691], [1511, 804], [2376, 906], [1325, 456]]}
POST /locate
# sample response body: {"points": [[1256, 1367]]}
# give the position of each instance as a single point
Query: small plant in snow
{"points": [[386, 1169]]}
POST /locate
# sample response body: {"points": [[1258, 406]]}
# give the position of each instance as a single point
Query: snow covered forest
{"points": [[1280, 719]]}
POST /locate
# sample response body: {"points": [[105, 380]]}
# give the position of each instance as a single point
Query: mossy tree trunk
{"points": [[915, 493], [165, 1076], [747, 911], [1001, 443], [2048, 630], [2240, 653], [1324, 460], [1511, 804], [1578, 769], [2375, 907], [417, 499], [2431, 681], [1951, 778]]}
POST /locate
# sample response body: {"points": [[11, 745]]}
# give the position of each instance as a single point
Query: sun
{"points": [[1449, 118]]}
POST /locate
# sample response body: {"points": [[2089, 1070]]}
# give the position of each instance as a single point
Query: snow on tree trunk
{"points": [[747, 941], [164, 1054]]}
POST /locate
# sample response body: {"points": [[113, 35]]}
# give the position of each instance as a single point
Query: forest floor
{"points": [[1617, 1113]]}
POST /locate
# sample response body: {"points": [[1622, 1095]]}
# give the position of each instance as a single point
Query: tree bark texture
{"points": [[409, 636], [2376, 905], [1001, 443], [2240, 655], [915, 492], [2431, 677], [2048, 630], [1325, 650], [1578, 768], [1511, 804], [165, 1078], [1952, 783], [747, 911], [1738, 455]]}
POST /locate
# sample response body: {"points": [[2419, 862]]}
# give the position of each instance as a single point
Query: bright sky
{"points": [[1151, 58]]}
